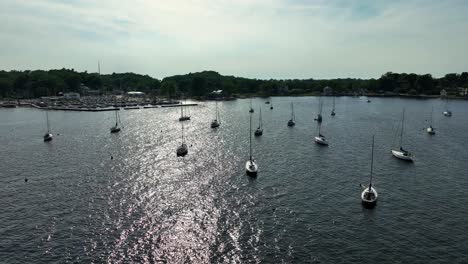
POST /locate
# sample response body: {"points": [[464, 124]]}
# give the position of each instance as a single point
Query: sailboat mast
{"points": [[47, 120], [402, 128], [372, 163], [183, 139], [333, 103], [432, 113], [116, 118], [260, 118], [250, 136]]}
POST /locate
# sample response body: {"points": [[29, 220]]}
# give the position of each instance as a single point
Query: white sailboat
{"points": [[431, 130], [292, 121], [182, 150], [447, 112], [216, 122], [259, 130], [401, 153], [320, 139], [319, 115], [251, 166], [116, 128], [369, 195], [48, 135], [182, 116], [333, 109]]}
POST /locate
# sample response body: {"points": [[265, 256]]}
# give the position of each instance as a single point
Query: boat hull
{"points": [[182, 150], [430, 131], [291, 123], [447, 113], [369, 202], [115, 129], [184, 118], [214, 124], [48, 137], [258, 132], [251, 168], [321, 141], [401, 155]]}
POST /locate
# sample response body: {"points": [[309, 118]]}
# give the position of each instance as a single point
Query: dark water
{"points": [[146, 205]]}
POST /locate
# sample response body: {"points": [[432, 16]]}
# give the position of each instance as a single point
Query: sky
{"points": [[263, 39]]}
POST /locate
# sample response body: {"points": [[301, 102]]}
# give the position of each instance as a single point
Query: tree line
{"points": [[33, 84]]}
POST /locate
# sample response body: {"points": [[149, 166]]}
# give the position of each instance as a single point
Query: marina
{"points": [[304, 198]]}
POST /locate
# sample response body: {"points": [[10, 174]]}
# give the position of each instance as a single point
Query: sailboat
{"points": [[431, 129], [251, 108], [182, 116], [369, 194], [215, 123], [447, 112], [48, 136], [402, 153], [320, 139], [319, 115], [116, 128], [251, 166], [292, 121], [259, 130], [182, 150], [333, 108]]}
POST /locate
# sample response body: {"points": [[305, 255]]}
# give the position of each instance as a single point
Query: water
{"points": [[146, 205]]}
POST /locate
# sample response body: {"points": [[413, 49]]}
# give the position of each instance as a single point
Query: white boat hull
{"points": [[430, 130], [251, 168], [447, 113], [369, 201], [321, 141], [402, 155], [48, 137]]}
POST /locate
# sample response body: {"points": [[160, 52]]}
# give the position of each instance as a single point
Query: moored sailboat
{"points": [[369, 195], [216, 122], [116, 128], [333, 108], [401, 153], [182, 150], [431, 130], [292, 121], [259, 130], [251, 166], [48, 135]]}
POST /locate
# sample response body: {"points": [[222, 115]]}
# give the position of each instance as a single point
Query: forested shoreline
{"points": [[37, 83]]}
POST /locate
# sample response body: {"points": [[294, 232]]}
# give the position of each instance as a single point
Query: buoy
{"points": [[25, 179], [112, 157]]}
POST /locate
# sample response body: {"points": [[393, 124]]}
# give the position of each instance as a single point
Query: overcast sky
{"points": [[249, 38]]}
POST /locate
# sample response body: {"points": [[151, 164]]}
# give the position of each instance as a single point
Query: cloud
{"points": [[252, 38]]}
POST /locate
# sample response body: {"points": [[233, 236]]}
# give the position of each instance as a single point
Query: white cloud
{"points": [[252, 38]]}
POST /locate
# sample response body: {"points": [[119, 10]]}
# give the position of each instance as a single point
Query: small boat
{"points": [[401, 153], [251, 167], [216, 122], [182, 150], [333, 108], [319, 115], [267, 102], [182, 116], [292, 121], [431, 130], [320, 139], [368, 100], [271, 106], [251, 108], [48, 135], [116, 128], [369, 195], [447, 112], [259, 130]]}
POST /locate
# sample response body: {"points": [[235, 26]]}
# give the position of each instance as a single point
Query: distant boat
{"points": [[182, 150], [251, 166], [333, 108], [319, 115], [259, 130], [267, 102], [271, 106], [251, 108], [401, 153], [320, 139], [447, 112], [216, 122], [431, 129], [182, 116], [116, 128], [369, 195], [292, 121], [48, 135], [368, 100]]}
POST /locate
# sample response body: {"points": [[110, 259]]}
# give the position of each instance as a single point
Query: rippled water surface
{"points": [[145, 205]]}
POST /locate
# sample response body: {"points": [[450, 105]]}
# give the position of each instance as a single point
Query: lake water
{"points": [[146, 205]]}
